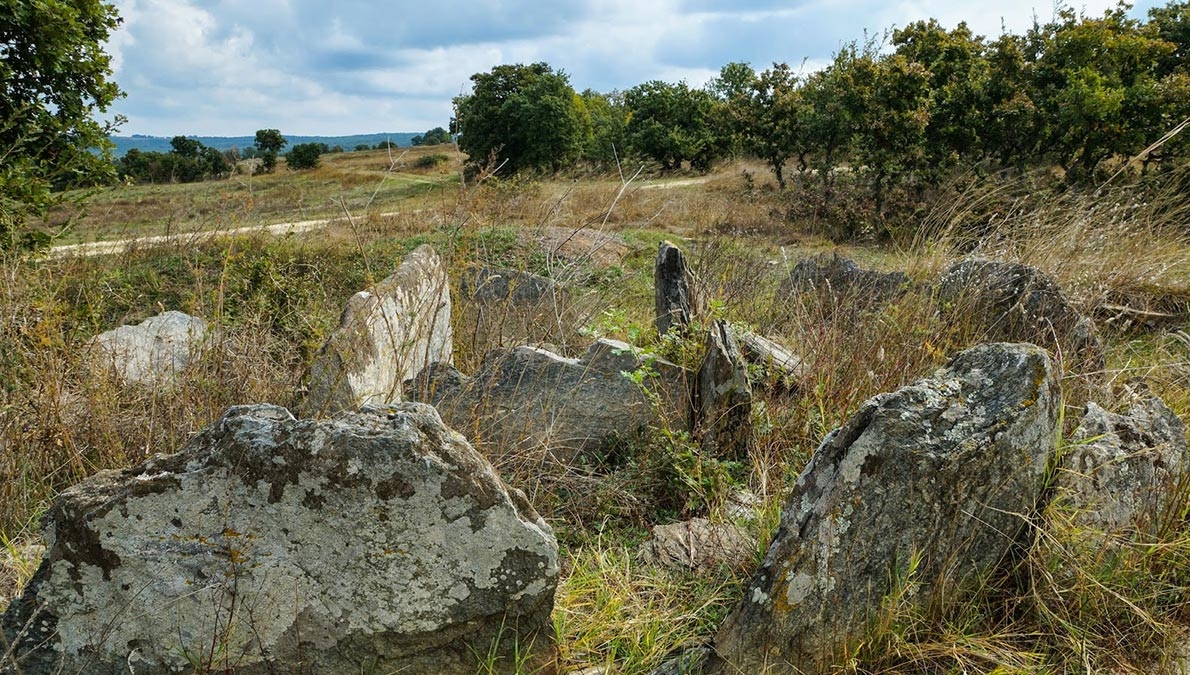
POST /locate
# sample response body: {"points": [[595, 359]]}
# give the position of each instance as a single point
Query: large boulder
{"points": [[531, 399], [674, 297], [385, 336], [373, 542], [939, 475], [153, 352], [1016, 302], [1118, 470], [771, 365], [841, 279]]}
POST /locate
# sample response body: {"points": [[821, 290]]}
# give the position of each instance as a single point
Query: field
{"points": [[275, 299]]}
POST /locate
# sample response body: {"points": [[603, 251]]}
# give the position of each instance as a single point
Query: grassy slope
{"points": [[276, 299]]}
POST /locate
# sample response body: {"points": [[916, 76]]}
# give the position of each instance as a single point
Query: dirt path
{"points": [[682, 182], [120, 245]]}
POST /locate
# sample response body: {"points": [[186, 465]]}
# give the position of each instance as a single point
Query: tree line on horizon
{"points": [[188, 160], [1079, 92]]}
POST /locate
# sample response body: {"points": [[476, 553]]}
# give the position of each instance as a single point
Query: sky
{"points": [[341, 67]]}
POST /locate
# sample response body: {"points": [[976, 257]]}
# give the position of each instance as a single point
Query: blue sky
{"points": [[338, 67]]}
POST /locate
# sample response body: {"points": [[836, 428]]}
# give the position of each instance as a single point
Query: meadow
{"points": [[1121, 253]]}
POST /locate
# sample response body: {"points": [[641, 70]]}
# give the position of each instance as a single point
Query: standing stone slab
{"points": [[941, 470], [385, 336], [1118, 469], [673, 289], [373, 542], [531, 399], [723, 396], [153, 352]]}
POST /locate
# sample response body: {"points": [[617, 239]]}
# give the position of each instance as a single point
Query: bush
{"points": [[431, 161], [304, 156]]}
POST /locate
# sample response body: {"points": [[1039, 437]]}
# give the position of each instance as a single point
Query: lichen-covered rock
{"points": [[841, 278], [385, 336], [531, 399], [942, 472], [723, 396], [373, 542], [675, 301], [1017, 302], [1118, 469], [153, 352]]}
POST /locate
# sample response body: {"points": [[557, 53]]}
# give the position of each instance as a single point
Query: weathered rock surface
{"points": [[723, 396], [1016, 302], [699, 544], [530, 399], [1118, 468], [374, 542], [673, 287], [839, 278], [505, 307], [152, 352], [385, 336], [939, 471], [774, 365]]}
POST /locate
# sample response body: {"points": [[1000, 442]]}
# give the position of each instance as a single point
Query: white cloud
{"points": [[228, 67]]}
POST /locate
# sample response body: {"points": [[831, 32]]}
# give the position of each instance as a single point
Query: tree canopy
{"points": [[521, 117], [55, 79]]}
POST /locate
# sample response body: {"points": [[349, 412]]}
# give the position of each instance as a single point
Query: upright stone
{"points": [[373, 542], [153, 352], [673, 287], [385, 336], [1119, 470], [723, 396], [939, 475]]}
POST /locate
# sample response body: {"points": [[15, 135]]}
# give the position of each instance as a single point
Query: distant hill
{"points": [[161, 143]]}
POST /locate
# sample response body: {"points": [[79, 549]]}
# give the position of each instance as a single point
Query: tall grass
{"points": [[273, 301]]}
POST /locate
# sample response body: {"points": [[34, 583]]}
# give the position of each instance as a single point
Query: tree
{"points": [[303, 156], [672, 123], [269, 142], [522, 118], [435, 136], [771, 116], [55, 79], [606, 143]]}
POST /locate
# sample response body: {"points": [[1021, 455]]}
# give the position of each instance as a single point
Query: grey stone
{"points": [[1118, 469], [943, 472], [1016, 302], [841, 278], [153, 352], [385, 336], [700, 545], [496, 285], [373, 542], [530, 399], [675, 300], [773, 366], [505, 307], [723, 396]]}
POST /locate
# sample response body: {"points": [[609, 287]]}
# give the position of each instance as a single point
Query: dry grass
{"points": [[273, 301]]}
